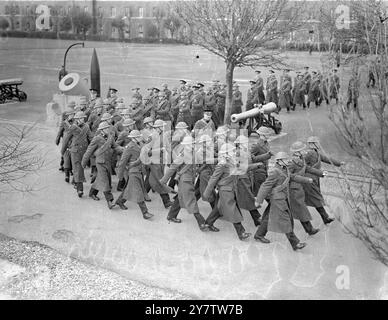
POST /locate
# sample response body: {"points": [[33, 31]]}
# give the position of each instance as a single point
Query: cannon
{"points": [[9, 89], [259, 116]]}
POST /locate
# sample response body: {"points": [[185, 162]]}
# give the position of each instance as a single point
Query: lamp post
{"points": [[73, 45]]}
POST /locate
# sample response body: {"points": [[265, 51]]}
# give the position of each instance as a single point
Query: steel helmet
{"points": [[297, 146], [126, 112], [222, 130], [281, 156], [313, 139], [241, 140], [106, 116], [187, 140], [103, 126], [158, 124], [147, 120], [134, 134], [128, 122], [121, 105], [181, 125], [79, 115], [226, 148]]}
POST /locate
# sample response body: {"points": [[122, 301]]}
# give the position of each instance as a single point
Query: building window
{"points": [[86, 9], [141, 12], [127, 12], [17, 10], [113, 12], [27, 10], [140, 30], [68, 10], [100, 11], [6, 9]]}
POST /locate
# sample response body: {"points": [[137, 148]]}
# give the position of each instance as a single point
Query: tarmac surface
{"points": [[177, 258]]}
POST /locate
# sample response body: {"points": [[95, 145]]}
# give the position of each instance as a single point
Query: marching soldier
{"points": [[298, 207], [227, 190], [279, 217], [136, 113], [153, 154], [272, 88], [93, 98], [130, 162], [62, 133], [313, 195], [102, 147], [324, 88], [77, 140], [259, 87], [307, 79], [244, 195], [182, 86], [353, 93], [112, 97], [184, 167]]}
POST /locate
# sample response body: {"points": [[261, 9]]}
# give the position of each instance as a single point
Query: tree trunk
{"points": [[229, 91]]}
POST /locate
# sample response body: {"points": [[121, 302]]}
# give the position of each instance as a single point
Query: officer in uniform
{"points": [[285, 93], [130, 162], [136, 94], [252, 96], [166, 91], [77, 140], [102, 147], [220, 94], [206, 124], [184, 114], [162, 109], [279, 217], [334, 86], [314, 92], [174, 100], [197, 105], [299, 92]]}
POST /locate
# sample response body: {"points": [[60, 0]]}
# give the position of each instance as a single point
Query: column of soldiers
{"points": [[287, 93], [198, 159]]}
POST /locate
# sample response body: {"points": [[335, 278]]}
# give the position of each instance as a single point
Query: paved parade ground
{"points": [[156, 253]]}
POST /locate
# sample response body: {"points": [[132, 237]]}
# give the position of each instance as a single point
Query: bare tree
{"points": [[238, 30], [19, 158], [172, 23], [366, 140]]}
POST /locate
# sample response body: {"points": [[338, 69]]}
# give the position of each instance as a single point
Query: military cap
{"points": [[157, 89], [103, 126], [106, 116], [313, 139], [257, 71], [306, 67], [135, 89], [195, 87], [93, 89], [207, 109], [183, 81], [252, 81], [271, 71], [113, 89], [199, 84], [128, 122]]}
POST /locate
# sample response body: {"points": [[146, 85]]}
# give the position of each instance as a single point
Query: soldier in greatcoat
{"points": [[184, 167], [252, 96], [237, 102], [245, 197], [136, 94], [64, 127], [334, 86], [77, 140], [307, 79], [174, 100], [298, 166], [184, 114], [162, 109], [154, 154], [197, 105], [272, 88], [313, 195], [227, 204], [220, 95], [259, 85], [299, 92], [205, 125], [279, 217], [102, 146], [314, 92], [285, 94], [130, 165]]}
